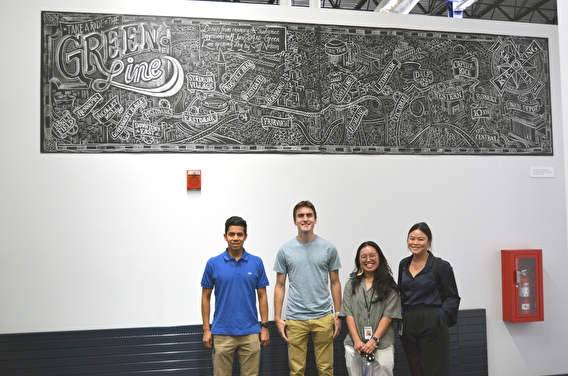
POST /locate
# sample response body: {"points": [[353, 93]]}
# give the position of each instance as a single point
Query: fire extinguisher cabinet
{"points": [[521, 273]]}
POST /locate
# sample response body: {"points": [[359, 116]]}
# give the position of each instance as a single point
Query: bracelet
{"points": [[335, 314]]}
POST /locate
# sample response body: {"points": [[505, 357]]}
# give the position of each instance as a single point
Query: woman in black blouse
{"points": [[428, 300]]}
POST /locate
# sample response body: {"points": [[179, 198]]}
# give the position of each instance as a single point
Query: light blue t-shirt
{"points": [[307, 266]]}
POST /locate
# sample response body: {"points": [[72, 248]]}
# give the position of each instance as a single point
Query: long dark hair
{"points": [[383, 280]]}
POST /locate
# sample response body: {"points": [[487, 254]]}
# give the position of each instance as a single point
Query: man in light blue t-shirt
{"points": [[311, 264]]}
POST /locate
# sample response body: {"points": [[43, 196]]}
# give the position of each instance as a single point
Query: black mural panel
{"points": [[127, 83]]}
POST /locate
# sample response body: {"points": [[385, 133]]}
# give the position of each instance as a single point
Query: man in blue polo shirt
{"points": [[238, 278]]}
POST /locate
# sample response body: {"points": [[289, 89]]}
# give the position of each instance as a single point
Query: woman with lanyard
{"points": [[370, 303], [429, 296]]}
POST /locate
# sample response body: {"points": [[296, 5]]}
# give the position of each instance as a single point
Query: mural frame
{"points": [[114, 83]]}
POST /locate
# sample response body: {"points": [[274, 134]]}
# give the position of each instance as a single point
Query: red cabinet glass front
{"points": [[521, 272]]}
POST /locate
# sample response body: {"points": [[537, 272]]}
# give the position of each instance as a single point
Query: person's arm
{"points": [[347, 312], [382, 328], [335, 285], [354, 333], [279, 292], [205, 315], [263, 308], [449, 288]]}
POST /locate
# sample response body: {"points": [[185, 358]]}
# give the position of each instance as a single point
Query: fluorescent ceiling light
{"points": [[461, 7], [396, 6]]}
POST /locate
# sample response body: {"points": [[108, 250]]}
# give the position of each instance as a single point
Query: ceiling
{"points": [[531, 11]]}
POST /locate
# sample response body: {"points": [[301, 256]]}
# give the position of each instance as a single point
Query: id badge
{"points": [[368, 332]]}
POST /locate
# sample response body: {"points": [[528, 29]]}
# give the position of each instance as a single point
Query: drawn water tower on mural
{"points": [[337, 51]]}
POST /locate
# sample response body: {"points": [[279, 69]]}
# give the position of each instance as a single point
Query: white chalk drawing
{"points": [[128, 83]]}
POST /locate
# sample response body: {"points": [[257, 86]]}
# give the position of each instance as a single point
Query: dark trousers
{"points": [[426, 342]]}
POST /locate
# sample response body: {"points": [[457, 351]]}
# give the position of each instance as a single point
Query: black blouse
{"points": [[421, 290]]}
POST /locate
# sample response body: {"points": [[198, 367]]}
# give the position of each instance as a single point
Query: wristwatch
{"points": [[375, 338], [264, 324]]}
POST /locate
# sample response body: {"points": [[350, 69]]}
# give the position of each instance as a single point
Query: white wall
{"points": [[111, 241]]}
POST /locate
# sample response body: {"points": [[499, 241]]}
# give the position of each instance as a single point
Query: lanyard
{"points": [[368, 307], [368, 303]]}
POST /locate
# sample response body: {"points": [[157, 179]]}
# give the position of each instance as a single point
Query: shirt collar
{"points": [[228, 257]]}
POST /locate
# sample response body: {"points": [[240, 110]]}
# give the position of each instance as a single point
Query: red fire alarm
{"points": [[193, 179]]}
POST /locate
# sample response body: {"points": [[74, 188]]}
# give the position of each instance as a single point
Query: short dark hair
{"points": [[235, 221], [304, 204], [422, 226]]}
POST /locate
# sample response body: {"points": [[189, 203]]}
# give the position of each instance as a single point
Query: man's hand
{"points": [[281, 326], [207, 339], [337, 326], [264, 337]]}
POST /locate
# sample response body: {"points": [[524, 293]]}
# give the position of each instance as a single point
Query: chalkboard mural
{"points": [[127, 83]]}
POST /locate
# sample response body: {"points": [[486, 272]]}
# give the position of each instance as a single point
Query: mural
{"points": [[127, 83]]}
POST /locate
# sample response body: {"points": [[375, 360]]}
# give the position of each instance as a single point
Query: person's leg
{"points": [[411, 329], [353, 362], [384, 362], [322, 337], [435, 346], [248, 353], [298, 334], [223, 354]]}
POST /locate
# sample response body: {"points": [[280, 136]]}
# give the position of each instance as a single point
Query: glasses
{"points": [[372, 256]]}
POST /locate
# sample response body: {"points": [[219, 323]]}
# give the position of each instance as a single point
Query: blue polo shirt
{"points": [[234, 284]]}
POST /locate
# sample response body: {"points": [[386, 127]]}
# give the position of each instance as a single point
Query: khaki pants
{"points": [[298, 333], [248, 353]]}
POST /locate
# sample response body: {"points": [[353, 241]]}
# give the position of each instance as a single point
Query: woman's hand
{"points": [[369, 347]]}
